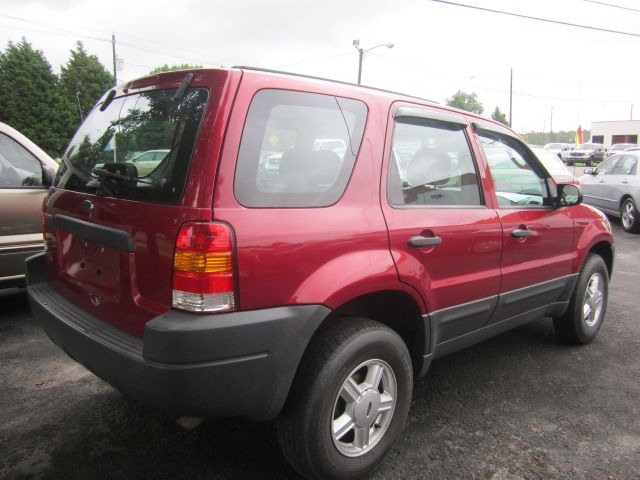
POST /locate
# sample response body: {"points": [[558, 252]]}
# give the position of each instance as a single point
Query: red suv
{"points": [[303, 249]]}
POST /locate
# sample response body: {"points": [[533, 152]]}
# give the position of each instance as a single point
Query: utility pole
{"points": [[113, 45], [551, 127], [510, 97]]}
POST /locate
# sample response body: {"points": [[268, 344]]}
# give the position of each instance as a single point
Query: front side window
{"points": [[517, 179], [622, 165], [19, 168], [138, 147], [297, 149], [431, 165]]}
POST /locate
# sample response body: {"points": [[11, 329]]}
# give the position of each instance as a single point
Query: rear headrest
{"points": [[314, 168], [429, 167]]}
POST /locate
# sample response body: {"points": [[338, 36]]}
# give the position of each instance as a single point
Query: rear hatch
{"points": [[141, 165]]}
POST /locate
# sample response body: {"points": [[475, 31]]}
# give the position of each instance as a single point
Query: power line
{"points": [[614, 6], [539, 19], [68, 32], [520, 94]]}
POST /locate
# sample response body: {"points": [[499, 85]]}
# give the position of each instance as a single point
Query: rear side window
{"points": [[298, 149], [137, 147]]}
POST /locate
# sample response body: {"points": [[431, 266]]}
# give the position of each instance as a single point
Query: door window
{"points": [[622, 165], [518, 179], [19, 168], [431, 165]]}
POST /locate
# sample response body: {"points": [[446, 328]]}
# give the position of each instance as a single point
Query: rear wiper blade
{"points": [[101, 172], [186, 81]]}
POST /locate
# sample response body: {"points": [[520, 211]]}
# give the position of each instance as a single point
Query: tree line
{"points": [[48, 107], [45, 106]]}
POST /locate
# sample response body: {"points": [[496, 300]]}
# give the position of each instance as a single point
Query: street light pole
{"points": [[362, 51]]}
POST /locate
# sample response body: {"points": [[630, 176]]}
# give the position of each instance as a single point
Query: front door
{"points": [[537, 238]]}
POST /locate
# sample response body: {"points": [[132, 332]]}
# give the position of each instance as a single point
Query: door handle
{"points": [[420, 241], [521, 233], [625, 181]]}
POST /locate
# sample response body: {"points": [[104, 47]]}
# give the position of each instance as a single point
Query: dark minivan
{"points": [[302, 249]]}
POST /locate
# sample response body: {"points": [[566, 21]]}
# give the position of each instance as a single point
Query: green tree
{"points": [[83, 80], [466, 101], [30, 98], [170, 68], [498, 116]]}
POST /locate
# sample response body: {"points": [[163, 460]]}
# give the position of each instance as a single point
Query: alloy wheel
{"points": [[628, 215], [364, 407], [593, 300]]}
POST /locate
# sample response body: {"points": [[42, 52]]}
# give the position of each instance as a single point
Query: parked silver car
{"points": [[614, 188], [25, 175], [587, 153]]}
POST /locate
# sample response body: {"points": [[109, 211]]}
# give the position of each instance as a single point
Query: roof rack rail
{"points": [[267, 70]]}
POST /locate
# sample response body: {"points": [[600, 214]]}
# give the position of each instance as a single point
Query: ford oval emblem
{"points": [[86, 206]]}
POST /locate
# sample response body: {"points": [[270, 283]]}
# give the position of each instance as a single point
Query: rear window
{"points": [[138, 147], [298, 149]]}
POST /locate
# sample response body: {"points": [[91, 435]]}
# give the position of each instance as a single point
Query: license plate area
{"points": [[91, 267]]}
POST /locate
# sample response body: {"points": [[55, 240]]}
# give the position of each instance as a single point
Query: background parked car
{"points": [[614, 188], [146, 162], [554, 165], [619, 148], [26, 172], [588, 153], [560, 149]]}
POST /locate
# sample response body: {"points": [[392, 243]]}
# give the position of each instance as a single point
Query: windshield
{"points": [[586, 146], [554, 146], [138, 148]]}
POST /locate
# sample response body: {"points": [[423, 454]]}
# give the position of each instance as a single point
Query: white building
{"points": [[622, 131]]}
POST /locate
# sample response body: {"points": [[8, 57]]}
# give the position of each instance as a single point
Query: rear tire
{"points": [[349, 400], [588, 305], [629, 216]]}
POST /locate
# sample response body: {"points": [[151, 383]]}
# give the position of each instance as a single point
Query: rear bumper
{"points": [[234, 364]]}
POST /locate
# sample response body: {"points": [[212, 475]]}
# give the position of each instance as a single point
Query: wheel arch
{"points": [[624, 199], [605, 250], [397, 310]]}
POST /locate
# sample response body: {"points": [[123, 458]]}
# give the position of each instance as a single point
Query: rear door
{"points": [[597, 187], [537, 238], [445, 236]]}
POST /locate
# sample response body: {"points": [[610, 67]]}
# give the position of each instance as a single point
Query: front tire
{"points": [[349, 401], [582, 320], [629, 216]]}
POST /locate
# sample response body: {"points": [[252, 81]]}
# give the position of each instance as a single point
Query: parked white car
{"points": [[560, 149]]}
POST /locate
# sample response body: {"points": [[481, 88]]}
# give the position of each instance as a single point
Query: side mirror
{"points": [[590, 171], [568, 195], [48, 174]]}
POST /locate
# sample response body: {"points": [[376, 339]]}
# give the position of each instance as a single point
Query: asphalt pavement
{"points": [[521, 405]]}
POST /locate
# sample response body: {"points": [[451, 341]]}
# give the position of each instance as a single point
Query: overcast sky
{"points": [[573, 75]]}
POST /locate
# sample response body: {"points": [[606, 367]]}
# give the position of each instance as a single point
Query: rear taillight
{"points": [[203, 268]]}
